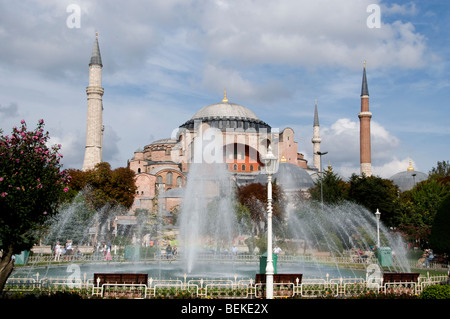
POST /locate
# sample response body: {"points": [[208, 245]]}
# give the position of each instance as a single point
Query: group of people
{"points": [[67, 250], [106, 249], [171, 252], [360, 255]]}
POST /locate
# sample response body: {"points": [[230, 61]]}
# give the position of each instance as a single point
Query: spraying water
{"points": [[343, 230], [207, 219]]}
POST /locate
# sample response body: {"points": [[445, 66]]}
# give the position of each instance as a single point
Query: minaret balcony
{"points": [[95, 90], [365, 114]]}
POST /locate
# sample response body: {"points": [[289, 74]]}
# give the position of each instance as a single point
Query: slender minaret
{"points": [[94, 129], [316, 139], [364, 128]]}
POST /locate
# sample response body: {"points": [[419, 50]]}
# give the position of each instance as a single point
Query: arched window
{"points": [[243, 168], [179, 181], [159, 179], [251, 168], [235, 167], [169, 178], [139, 170]]}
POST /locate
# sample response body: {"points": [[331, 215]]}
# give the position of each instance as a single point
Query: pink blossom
{"points": [[1, 179], [66, 189], [3, 194], [23, 121]]}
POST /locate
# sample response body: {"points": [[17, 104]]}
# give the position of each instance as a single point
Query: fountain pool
{"points": [[176, 270]]}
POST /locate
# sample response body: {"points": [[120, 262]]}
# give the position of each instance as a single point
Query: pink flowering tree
{"points": [[32, 184]]}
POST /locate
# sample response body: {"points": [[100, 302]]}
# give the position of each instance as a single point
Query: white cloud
{"points": [[72, 147], [162, 60], [341, 141], [216, 79], [308, 33], [392, 167], [404, 9]]}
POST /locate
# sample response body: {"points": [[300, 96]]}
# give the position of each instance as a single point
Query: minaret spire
{"points": [[364, 128], [94, 124], [96, 58], [316, 115], [364, 87], [316, 138]]}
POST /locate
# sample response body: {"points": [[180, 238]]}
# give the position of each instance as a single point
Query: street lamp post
{"points": [[378, 215], [271, 166], [321, 180]]}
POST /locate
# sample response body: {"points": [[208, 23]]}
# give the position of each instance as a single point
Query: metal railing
{"points": [[222, 288], [349, 261], [39, 259]]}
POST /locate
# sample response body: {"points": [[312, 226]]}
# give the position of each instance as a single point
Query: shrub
{"points": [[436, 292]]}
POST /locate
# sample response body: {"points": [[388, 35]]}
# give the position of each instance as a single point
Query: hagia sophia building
{"points": [[162, 166]]}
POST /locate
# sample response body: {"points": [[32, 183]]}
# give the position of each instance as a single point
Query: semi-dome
{"points": [[224, 115], [289, 176], [406, 180]]}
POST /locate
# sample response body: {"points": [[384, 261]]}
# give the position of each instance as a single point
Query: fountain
{"points": [[342, 230], [207, 224], [207, 218]]}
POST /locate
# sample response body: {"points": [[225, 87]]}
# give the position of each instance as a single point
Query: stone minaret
{"points": [[316, 139], [94, 129], [364, 128]]}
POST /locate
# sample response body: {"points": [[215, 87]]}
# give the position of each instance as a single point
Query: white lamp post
{"points": [[271, 166], [321, 179], [378, 215]]}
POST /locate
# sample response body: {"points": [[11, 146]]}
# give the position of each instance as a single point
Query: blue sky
{"points": [[164, 60]]}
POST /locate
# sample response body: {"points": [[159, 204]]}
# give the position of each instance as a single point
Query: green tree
{"points": [[375, 193], [442, 169], [31, 186], [440, 232], [106, 186], [331, 186], [419, 206]]}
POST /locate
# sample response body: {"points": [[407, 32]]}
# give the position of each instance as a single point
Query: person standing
{"points": [[277, 250], [169, 251], [68, 249], [57, 251], [108, 253]]}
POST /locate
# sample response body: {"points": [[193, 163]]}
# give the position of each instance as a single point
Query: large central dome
{"points": [[225, 110], [225, 115]]}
